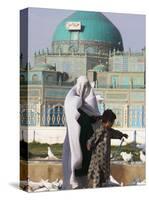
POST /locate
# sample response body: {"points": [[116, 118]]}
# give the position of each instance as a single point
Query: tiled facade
{"points": [[118, 76]]}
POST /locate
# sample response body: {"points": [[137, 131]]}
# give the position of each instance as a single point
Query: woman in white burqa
{"points": [[81, 114]]}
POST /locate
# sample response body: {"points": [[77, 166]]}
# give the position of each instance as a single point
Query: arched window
{"points": [[53, 115]]}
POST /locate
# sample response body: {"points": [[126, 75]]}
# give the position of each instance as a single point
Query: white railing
{"points": [[52, 135]]}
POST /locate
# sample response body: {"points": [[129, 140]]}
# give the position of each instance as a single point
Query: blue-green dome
{"points": [[94, 27]]}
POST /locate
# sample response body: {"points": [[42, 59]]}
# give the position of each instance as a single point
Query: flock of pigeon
{"points": [[41, 186], [45, 185], [128, 157]]}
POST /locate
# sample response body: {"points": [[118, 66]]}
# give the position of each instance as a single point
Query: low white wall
{"points": [[50, 135], [53, 135]]}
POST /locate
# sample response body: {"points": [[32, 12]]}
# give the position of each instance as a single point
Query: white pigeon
{"points": [[137, 181], [47, 184], [142, 182], [37, 185], [57, 183], [141, 146], [127, 157], [113, 182], [51, 155], [142, 156]]}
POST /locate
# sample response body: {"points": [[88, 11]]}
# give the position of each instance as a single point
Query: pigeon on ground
{"points": [[127, 157], [142, 156], [50, 156]]}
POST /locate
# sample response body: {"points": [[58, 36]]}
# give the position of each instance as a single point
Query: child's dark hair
{"points": [[108, 115]]}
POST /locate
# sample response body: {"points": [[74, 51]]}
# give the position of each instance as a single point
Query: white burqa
{"points": [[80, 96]]}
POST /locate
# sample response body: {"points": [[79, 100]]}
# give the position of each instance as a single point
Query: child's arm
{"points": [[115, 134], [91, 140]]}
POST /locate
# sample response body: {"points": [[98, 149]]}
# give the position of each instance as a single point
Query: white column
{"points": [[125, 115], [38, 117]]}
